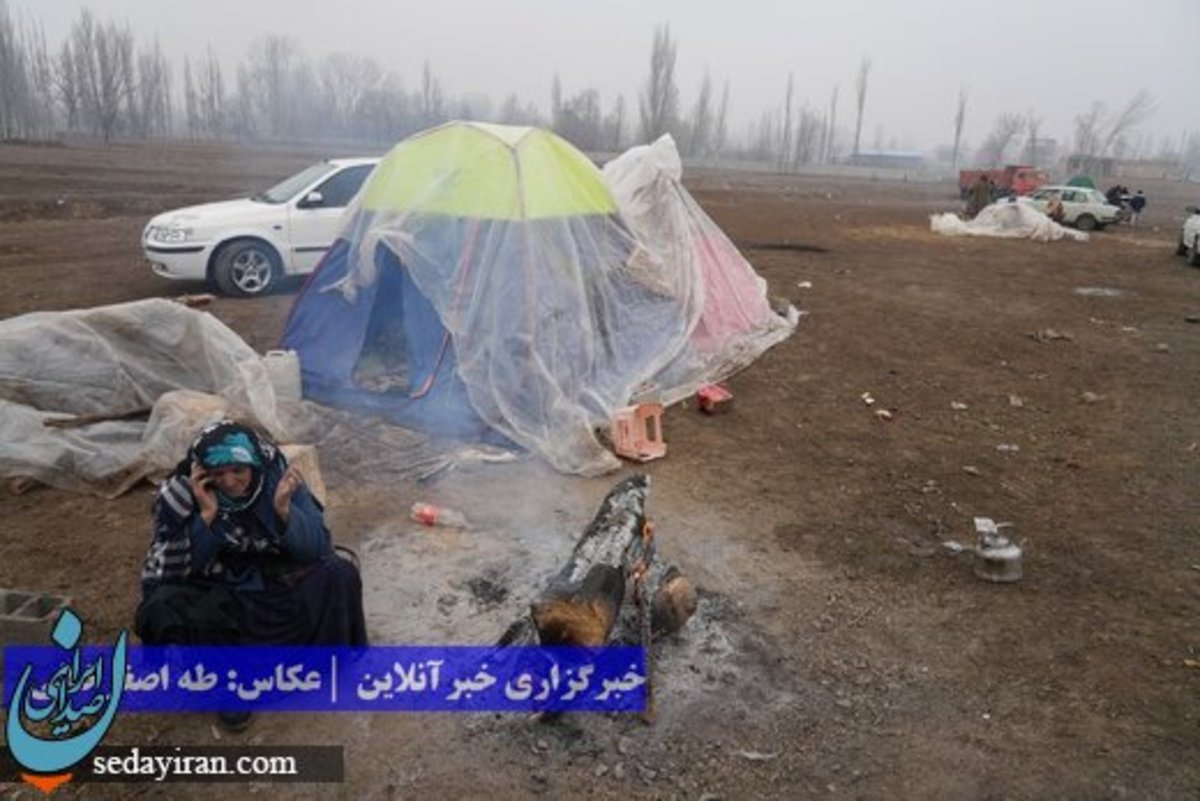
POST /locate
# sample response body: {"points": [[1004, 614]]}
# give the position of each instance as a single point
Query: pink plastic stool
{"points": [[637, 432]]}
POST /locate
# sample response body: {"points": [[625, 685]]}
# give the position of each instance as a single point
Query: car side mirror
{"points": [[312, 200]]}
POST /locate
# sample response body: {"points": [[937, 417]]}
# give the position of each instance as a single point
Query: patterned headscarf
{"points": [[226, 444]]}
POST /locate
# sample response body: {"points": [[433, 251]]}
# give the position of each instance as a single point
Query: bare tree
{"points": [[616, 124], [579, 120], [431, 101], [1131, 115], [267, 84], [211, 96], [785, 144], [860, 91], [14, 84], [809, 126], [702, 120], [66, 85], [153, 92], [1089, 128], [103, 55], [191, 102], [1033, 125], [721, 125], [960, 116], [659, 104], [345, 79], [830, 146], [1007, 127]]}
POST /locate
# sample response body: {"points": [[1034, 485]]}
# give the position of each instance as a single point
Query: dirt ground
{"points": [[839, 651]]}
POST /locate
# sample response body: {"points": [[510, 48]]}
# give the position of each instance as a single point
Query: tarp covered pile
{"points": [[1010, 220], [184, 366]]}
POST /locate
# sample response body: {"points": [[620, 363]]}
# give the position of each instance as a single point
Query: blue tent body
{"points": [[323, 328]]}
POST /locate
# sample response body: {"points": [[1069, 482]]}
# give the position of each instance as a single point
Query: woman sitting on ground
{"points": [[241, 556]]}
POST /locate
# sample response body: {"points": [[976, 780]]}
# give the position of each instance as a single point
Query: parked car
{"points": [[1189, 237], [1086, 209], [243, 247]]}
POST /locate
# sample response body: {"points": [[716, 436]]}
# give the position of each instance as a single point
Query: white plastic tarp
{"points": [[728, 318], [186, 366], [1006, 219]]}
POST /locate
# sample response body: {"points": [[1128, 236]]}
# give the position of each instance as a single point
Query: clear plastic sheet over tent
{"points": [[730, 321], [549, 311], [149, 355], [1009, 220]]}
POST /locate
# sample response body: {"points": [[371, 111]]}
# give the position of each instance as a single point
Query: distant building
{"points": [[904, 159]]}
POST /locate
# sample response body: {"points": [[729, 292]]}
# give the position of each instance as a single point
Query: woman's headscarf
{"points": [[226, 444]]}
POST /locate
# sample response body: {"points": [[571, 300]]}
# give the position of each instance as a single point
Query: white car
{"points": [[1084, 208], [1189, 237], [244, 246]]}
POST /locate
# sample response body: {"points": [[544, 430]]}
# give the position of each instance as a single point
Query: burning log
{"points": [[613, 560]]}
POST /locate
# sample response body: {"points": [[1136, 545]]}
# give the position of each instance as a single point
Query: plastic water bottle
{"points": [[430, 515]]}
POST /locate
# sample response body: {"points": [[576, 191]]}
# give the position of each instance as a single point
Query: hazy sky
{"points": [[1052, 57]]}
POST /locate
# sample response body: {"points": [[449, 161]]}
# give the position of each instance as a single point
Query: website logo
{"points": [[55, 723]]}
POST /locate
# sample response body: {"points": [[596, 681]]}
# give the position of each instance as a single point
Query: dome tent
{"points": [[485, 283]]}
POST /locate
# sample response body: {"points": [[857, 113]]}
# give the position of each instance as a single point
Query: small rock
{"points": [[844, 703], [1016, 401], [971, 470], [1162, 347], [868, 399], [958, 407], [1192, 318], [709, 797], [805, 284], [1090, 397], [542, 745], [600, 770], [619, 771], [1006, 447], [540, 777], [624, 746], [884, 414]]}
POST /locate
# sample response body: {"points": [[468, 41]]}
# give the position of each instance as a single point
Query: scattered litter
{"points": [[1090, 397], [1050, 335], [868, 399], [758, 756], [971, 470], [958, 407], [1099, 291], [714, 399], [1006, 447], [1162, 347], [430, 515], [884, 414], [637, 432], [1016, 400], [805, 284], [21, 485], [191, 301]]}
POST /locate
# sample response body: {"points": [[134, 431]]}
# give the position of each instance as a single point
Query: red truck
{"points": [[1014, 179]]}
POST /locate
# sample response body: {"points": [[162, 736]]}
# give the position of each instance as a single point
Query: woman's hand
{"points": [[288, 484], [202, 491]]}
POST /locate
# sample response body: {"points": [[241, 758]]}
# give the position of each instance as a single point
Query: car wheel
{"points": [[1085, 222], [245, 268], [1194, 252]]}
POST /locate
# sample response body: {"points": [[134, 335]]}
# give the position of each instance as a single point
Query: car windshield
{"points": [[286, 190]]}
